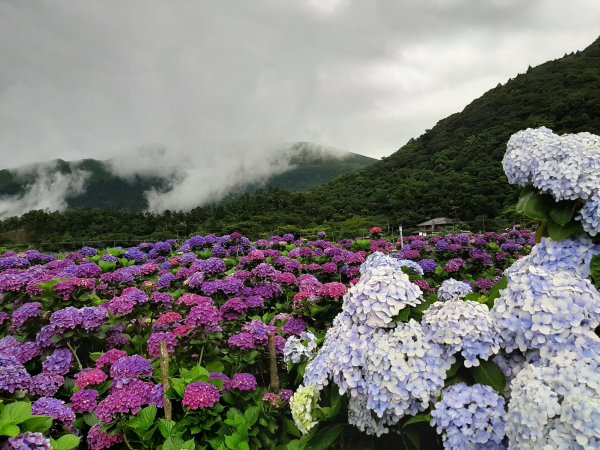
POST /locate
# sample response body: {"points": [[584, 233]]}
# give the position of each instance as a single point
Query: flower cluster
{"points": [[303, 403], [469, 417], [567, 167], [452, 289], [299, 348], [200, 395]]}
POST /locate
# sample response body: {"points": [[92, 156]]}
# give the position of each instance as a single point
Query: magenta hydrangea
{"points": [[201, 395], [89, 377], [99, 440], [242, 382], [155, 340]]}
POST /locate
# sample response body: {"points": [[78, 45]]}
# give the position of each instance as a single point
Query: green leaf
{"points": [[9, 430], [90, 419], [419, 418], [325, 437], [94, 356], [563, 212], [560, 233], [595, 270], [233, 440], [37, 424], [215, 366], [166, 427], [535, 205], [143, 420], [15, 413], [173, 443], [490, 374], [188, 445], [66, 442], [403, 315], [251, 415], [178, 386], [495, 291]]}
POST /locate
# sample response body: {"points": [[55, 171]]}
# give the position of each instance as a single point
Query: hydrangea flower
{"points": [[200, 395], [303, 403], [452, 289], [542, 306], [554, 404], [567, 167], [89, 377], [469, 417], [99, 440], [155, 340], [462, 326], [59, 362], [13, 375], [28, 441], [52, 407], [130, 368], [84, 401], [382, 292], [242, 382], [24, 313], [45, 384], [129, 399], [109, 358], [298, 348]]}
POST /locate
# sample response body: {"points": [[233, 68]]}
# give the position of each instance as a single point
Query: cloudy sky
{"points": [[191, 84]]}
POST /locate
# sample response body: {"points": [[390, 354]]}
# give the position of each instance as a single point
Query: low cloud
{"points": [[50, 189]]}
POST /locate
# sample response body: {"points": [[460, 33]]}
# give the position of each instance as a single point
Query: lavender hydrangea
{"points": [[452, 289], [13, 375], [470, 417], [59, 362], [52, 407], [462, 326], [25, 312]]}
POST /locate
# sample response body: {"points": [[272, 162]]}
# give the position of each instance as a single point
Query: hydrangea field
{"points": [[454, 341]]}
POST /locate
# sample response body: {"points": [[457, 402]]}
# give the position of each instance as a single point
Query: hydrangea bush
{"points": [[222, 343]]}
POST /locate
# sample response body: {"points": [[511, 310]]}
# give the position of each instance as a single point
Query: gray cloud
{"points": [[209, 91], [49, 190]]}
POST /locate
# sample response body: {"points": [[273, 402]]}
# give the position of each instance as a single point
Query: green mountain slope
{"points": [[308, 168]]}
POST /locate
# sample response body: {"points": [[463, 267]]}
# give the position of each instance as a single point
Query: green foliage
{"points": [[489, 373]]}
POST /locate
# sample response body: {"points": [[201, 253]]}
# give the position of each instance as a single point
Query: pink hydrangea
{"points": [[200, 395]]}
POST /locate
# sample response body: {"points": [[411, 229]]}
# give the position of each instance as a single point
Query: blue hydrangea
{"points": [[462, 326], [452, 289], [470, 417], [574, 255], [555, 404], [405, 371], [541, 307], [412, 266], [567, 167]]}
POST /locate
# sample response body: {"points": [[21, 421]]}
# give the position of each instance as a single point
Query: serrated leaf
{"points": [[37, 424], [143, 420], [66, 442], [15, 413], [166, 427], [188, 445], [215, 366], [560, 233], [325, 437], [178, 386], [490, 374], [251, 415], [173, 443], [563, 212], [595, 270], [9, 430], [535, 205]]}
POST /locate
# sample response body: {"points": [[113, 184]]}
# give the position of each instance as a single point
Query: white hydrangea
{"points": [[297, 349], [303, 404], [567, 167], [381, 293]]}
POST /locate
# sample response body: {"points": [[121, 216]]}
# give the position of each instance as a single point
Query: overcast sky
{"points": [[110, 78]]}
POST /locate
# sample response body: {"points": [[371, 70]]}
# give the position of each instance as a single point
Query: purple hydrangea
{"points": [[45, 384], [155, 340], [129, 399], [52, 407], [25, 312], [28, 441], [99, 440], [130, 368], [59, 362], [13, 375], [84, 401]]}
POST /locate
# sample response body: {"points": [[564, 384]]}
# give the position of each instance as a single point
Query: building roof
{"points": [[439, 221]]}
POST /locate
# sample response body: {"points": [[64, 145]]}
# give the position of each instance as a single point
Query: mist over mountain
{"points": [[145, 181]]}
